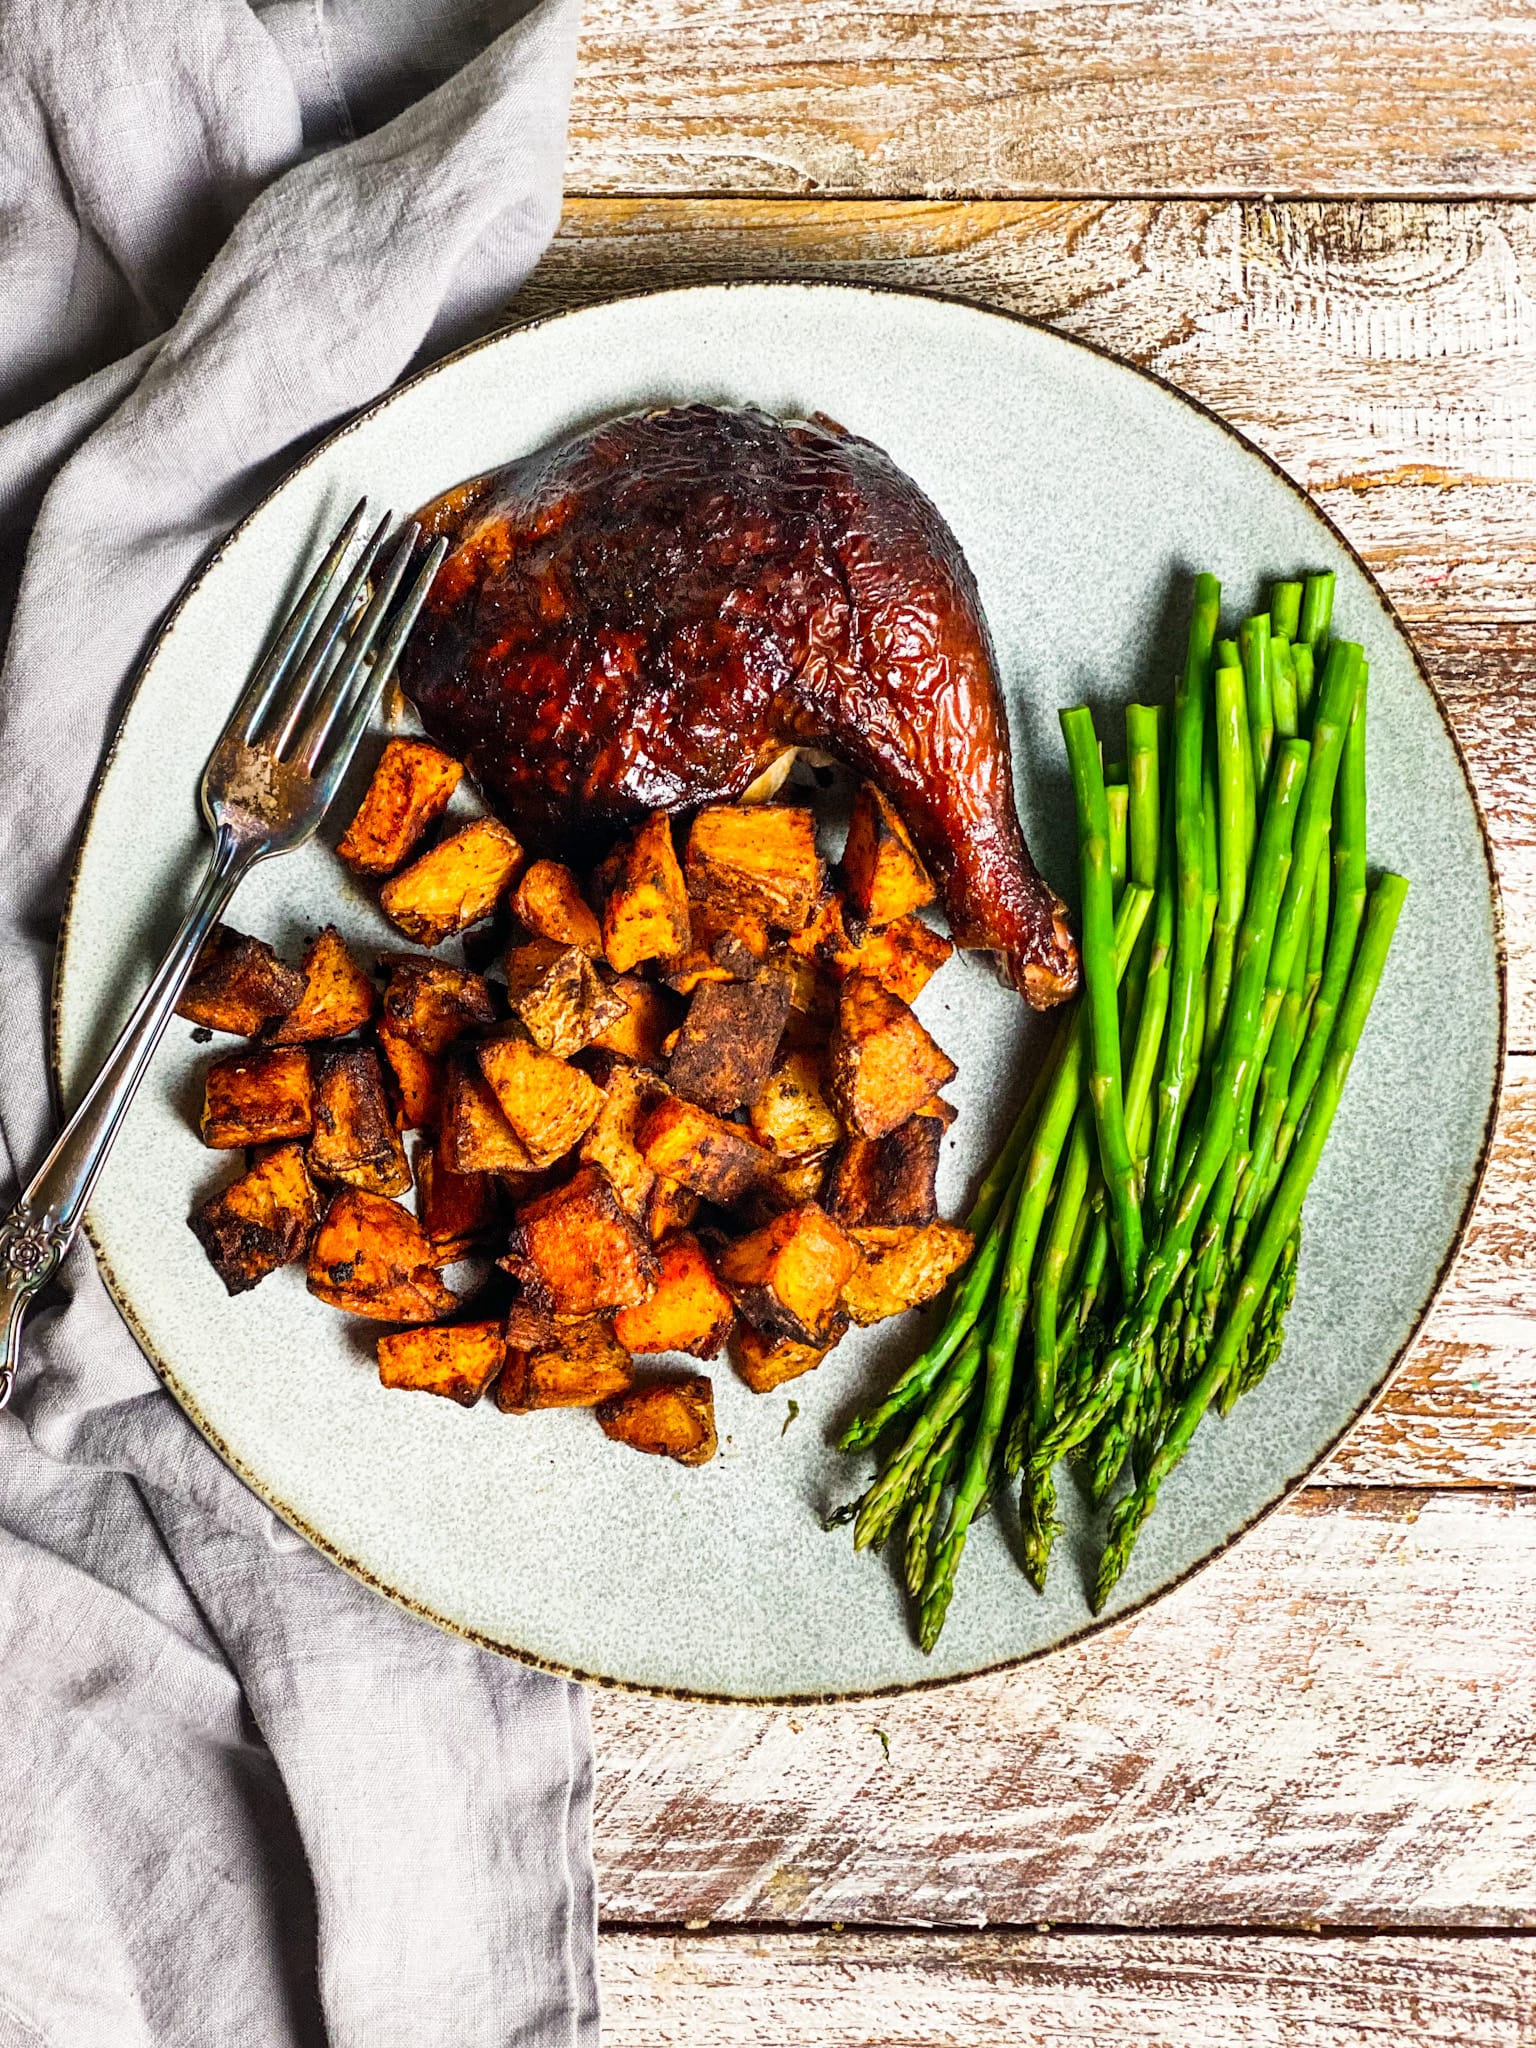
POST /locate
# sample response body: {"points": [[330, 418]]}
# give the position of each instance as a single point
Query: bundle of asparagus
{"points": [[1137, 1236]]}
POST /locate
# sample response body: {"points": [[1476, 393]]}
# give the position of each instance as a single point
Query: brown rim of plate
{"points": [[1098, 1623]]}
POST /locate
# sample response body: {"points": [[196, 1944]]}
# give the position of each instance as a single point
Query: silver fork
{"points": [[269, 781]]}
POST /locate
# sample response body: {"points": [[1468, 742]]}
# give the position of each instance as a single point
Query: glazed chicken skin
{"points": [[646, 615]]}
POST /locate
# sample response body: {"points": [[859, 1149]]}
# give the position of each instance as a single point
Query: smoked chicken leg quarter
{"points": [[648, 614]]}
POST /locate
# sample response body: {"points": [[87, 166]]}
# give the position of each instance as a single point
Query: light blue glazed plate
{"points": [[1085, 495]]}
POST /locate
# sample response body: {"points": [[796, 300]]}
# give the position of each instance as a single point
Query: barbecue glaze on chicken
{"points": [[646, 615]]}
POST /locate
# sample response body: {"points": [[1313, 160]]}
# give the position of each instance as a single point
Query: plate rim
{"points": [[1095, 1625]]}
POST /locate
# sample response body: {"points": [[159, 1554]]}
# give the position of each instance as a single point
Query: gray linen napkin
{"points": [[242, 1799]]}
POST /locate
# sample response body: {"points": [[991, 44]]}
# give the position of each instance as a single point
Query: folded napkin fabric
{"points": [[242, 1798]]}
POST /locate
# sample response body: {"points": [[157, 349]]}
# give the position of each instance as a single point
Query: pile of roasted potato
{"points": [[696, 1108]]}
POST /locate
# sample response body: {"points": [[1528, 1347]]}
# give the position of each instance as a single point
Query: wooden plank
{"points": [[880, 1989], [1387, 357], [960, 96], [1330, 1725]]}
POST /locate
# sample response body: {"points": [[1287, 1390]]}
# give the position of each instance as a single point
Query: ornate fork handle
{"points": [[42, 1226]]}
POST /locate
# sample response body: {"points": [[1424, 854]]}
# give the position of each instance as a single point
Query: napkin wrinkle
{"points": [[228, 1763]]}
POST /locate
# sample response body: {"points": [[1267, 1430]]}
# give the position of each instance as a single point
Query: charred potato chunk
{"points": [[577, 1253], [475, 1135], [409, 792], [758, 860], [792, 1183], [430, 1004], [459, 1362], [418, 1082], [338, 997], [686, 1143], [908, 1272], [554, 989], [667, 1418], [792, 1114], [549, 1104], [372, 1259], [788, 1277], [689, 1311], [649, 1018], [725, 1049], [457, 1211], [549, 902], [577, 1366], [611, 1143], [260, 1221], [882, 873], [902, 956], [455, 885], [257, 1098], [765, 1361], [883, 1065], [644, 903], [238, 984], [887, 1181], [355, 1136]]}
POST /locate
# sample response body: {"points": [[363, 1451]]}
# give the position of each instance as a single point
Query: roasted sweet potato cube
{"points": [[723, 946], [550, 903], [459, 1362], [611, 1145], [669, 1207], [882, 874], [409, 791], [355, 1136], [554, 989], [765, 1361], [418, 1080], [578, 1365], [649, 1017], [725, 1048], [943, 1112], [902, 956], [643, 900], [823, 939], [668, 1418], [260, 1221], [549, 1104], [457, 1211], [430, 1004], [792, 1114], [238, 985], [577, 1253], [757, 859], [882, 1064], [689, 1311], [911, 1271], [887, 1181], [372, 1259], [257, 1098], [338, 997], [788, 1276], [455, 884], [688, 1144], [475, 1135]]}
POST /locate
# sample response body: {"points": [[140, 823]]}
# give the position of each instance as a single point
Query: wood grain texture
{"points": [[1386, 357], [966, 97], [852, 1990], [1329, 1726]]}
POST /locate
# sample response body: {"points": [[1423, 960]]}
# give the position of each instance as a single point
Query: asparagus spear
{"points": [[1280, 1224], [888, 1495], [1232, 839], [1282, 686], [1142, 727], [1117, 800], [1285, 609], [1306, 685], [1253, 643], [1189, 933], [1105, 1078], [1316, 609], [932, 1480]]}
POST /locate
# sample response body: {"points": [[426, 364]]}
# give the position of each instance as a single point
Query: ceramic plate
{"points": [[1084, 494]]}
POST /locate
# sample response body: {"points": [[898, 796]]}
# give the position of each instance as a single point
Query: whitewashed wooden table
{"points": [[1296, 1801]]}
